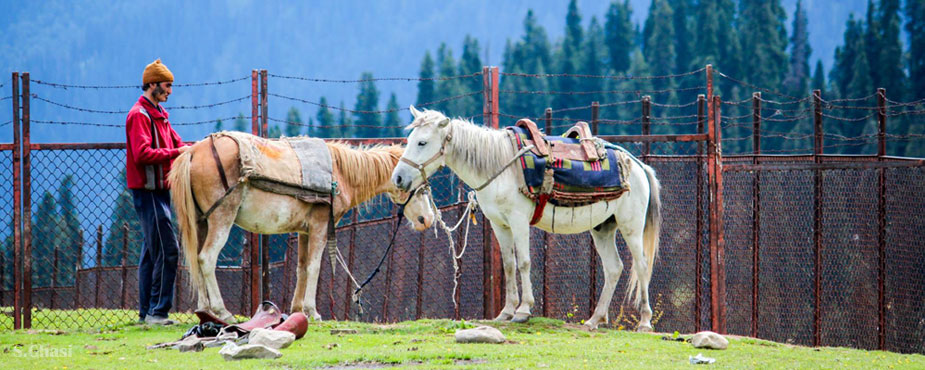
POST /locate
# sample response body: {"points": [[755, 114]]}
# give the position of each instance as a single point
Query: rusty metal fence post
{"points": [[646, 112], [26, 206], [881, 219], [17, 208], [756, 207], [817, 217], [549, 239], [254, 239], [265, 239], [491, 252], [698, 273]]}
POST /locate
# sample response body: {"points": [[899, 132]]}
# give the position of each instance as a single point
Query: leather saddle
{"points": [[584, 150]]}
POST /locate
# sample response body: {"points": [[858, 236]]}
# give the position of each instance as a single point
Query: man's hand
{"points": [[184, 149]]}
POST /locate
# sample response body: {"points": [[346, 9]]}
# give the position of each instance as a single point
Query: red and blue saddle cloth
{"points": [[574, 182]]}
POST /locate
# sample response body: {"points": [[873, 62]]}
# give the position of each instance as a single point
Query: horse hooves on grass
{"points": [[504, 317], [521, 318], [644, 329]]}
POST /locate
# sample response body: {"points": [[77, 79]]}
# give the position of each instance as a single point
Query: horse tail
{"points": [[181, 194], [650, 237]]}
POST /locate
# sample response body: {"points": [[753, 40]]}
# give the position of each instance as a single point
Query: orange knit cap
{"points": [[156, 72]]}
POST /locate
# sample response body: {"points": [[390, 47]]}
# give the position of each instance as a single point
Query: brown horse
{"points": [[360, 174]]}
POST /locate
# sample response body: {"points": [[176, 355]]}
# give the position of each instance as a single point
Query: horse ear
{"points": [[443, 123], [414, 112]]}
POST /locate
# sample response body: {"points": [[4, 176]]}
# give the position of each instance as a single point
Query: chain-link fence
{"points": [[818, 249]]}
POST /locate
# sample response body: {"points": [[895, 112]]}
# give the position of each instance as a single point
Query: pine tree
{"points": [[426, 86], [891, 75], [593, 63], [293, 122], [915, 26], [447, 87], [44, 240], [274, 132], [872, 42], [123, 218], [764, 38], [845, 55], [567, 63], [392, 122], [218, 126], [659, 47], [325, 120], [345, 125], [368, 101], [69, 233], [819, 78], [683, 45], [618, 35], [469, 64], [638, 67], [797, 80], [240, 124]]}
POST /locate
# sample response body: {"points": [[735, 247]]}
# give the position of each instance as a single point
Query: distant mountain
{"points": [[108, 43]]}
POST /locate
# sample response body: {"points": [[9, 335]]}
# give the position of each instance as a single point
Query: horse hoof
{"points": [[591, 324], [644, 329], [504, 317], [521, 318]]}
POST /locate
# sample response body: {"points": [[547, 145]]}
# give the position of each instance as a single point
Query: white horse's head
{"points": [[430, 132]]}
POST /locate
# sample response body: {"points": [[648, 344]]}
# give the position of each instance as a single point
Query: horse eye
{"points": [[422, 143]]}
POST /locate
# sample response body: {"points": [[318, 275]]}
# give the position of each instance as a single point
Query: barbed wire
{"points": [[847, 119], [97, 124], [620, 122], [88, 110], [894, 103], [303, 124], [743, 83], [740, 138], [905, 112], [685, 105], [6, 123], [852, 99], [6, 97], [311, 79], [196, 84], [609, 77], [830, 106], [790, 102], [377, 111], [737, 102], [603, 92]]}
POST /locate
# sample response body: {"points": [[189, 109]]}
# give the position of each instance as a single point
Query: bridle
{"points": [[436, 156]]}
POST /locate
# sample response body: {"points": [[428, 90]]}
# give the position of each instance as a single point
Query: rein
{"points": [[401, 214]]}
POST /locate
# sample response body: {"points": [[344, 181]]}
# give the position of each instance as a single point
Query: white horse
{"points": [[477, 153]]}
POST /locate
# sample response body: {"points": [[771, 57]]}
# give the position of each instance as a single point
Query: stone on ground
{"points": [[276, 339], [233, 352], [710, 340], [481, 334]]}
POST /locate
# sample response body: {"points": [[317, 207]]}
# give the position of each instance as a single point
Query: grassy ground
{"points": [[424, 344]]}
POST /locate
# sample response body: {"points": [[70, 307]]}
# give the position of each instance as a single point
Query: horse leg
{"points": [[208, 256], [632, 234], [505, 242], [521, 239], [316, 244], [301, 274], [603, 236]]}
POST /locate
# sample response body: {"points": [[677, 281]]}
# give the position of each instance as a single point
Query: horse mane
{"points": [[364, 168], [492, 151]]}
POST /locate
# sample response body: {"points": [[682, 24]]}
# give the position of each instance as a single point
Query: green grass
{"points": [[425, 344]]}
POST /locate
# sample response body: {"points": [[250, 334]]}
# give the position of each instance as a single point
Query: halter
{"points": [[437, 155]]}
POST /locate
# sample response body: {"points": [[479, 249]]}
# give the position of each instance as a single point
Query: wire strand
{"points": [[311, 79]]}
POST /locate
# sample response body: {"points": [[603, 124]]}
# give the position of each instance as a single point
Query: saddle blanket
{"points": [[570, 176], [299, 162]]}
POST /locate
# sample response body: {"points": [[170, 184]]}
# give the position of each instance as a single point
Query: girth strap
{"points": [[218, 162]]}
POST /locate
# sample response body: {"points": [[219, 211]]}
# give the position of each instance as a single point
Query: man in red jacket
{"points": [[151, 147]]}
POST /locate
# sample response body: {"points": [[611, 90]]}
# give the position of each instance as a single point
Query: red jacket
{"points": [[149, 153]]}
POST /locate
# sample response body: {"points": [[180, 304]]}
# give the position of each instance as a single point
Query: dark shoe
{"points": [[158, 320]]}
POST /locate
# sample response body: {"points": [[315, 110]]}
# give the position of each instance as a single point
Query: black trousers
{"points": [[157, 269]]}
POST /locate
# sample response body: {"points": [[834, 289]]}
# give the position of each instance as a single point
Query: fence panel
{"points": [[904, 286]]}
